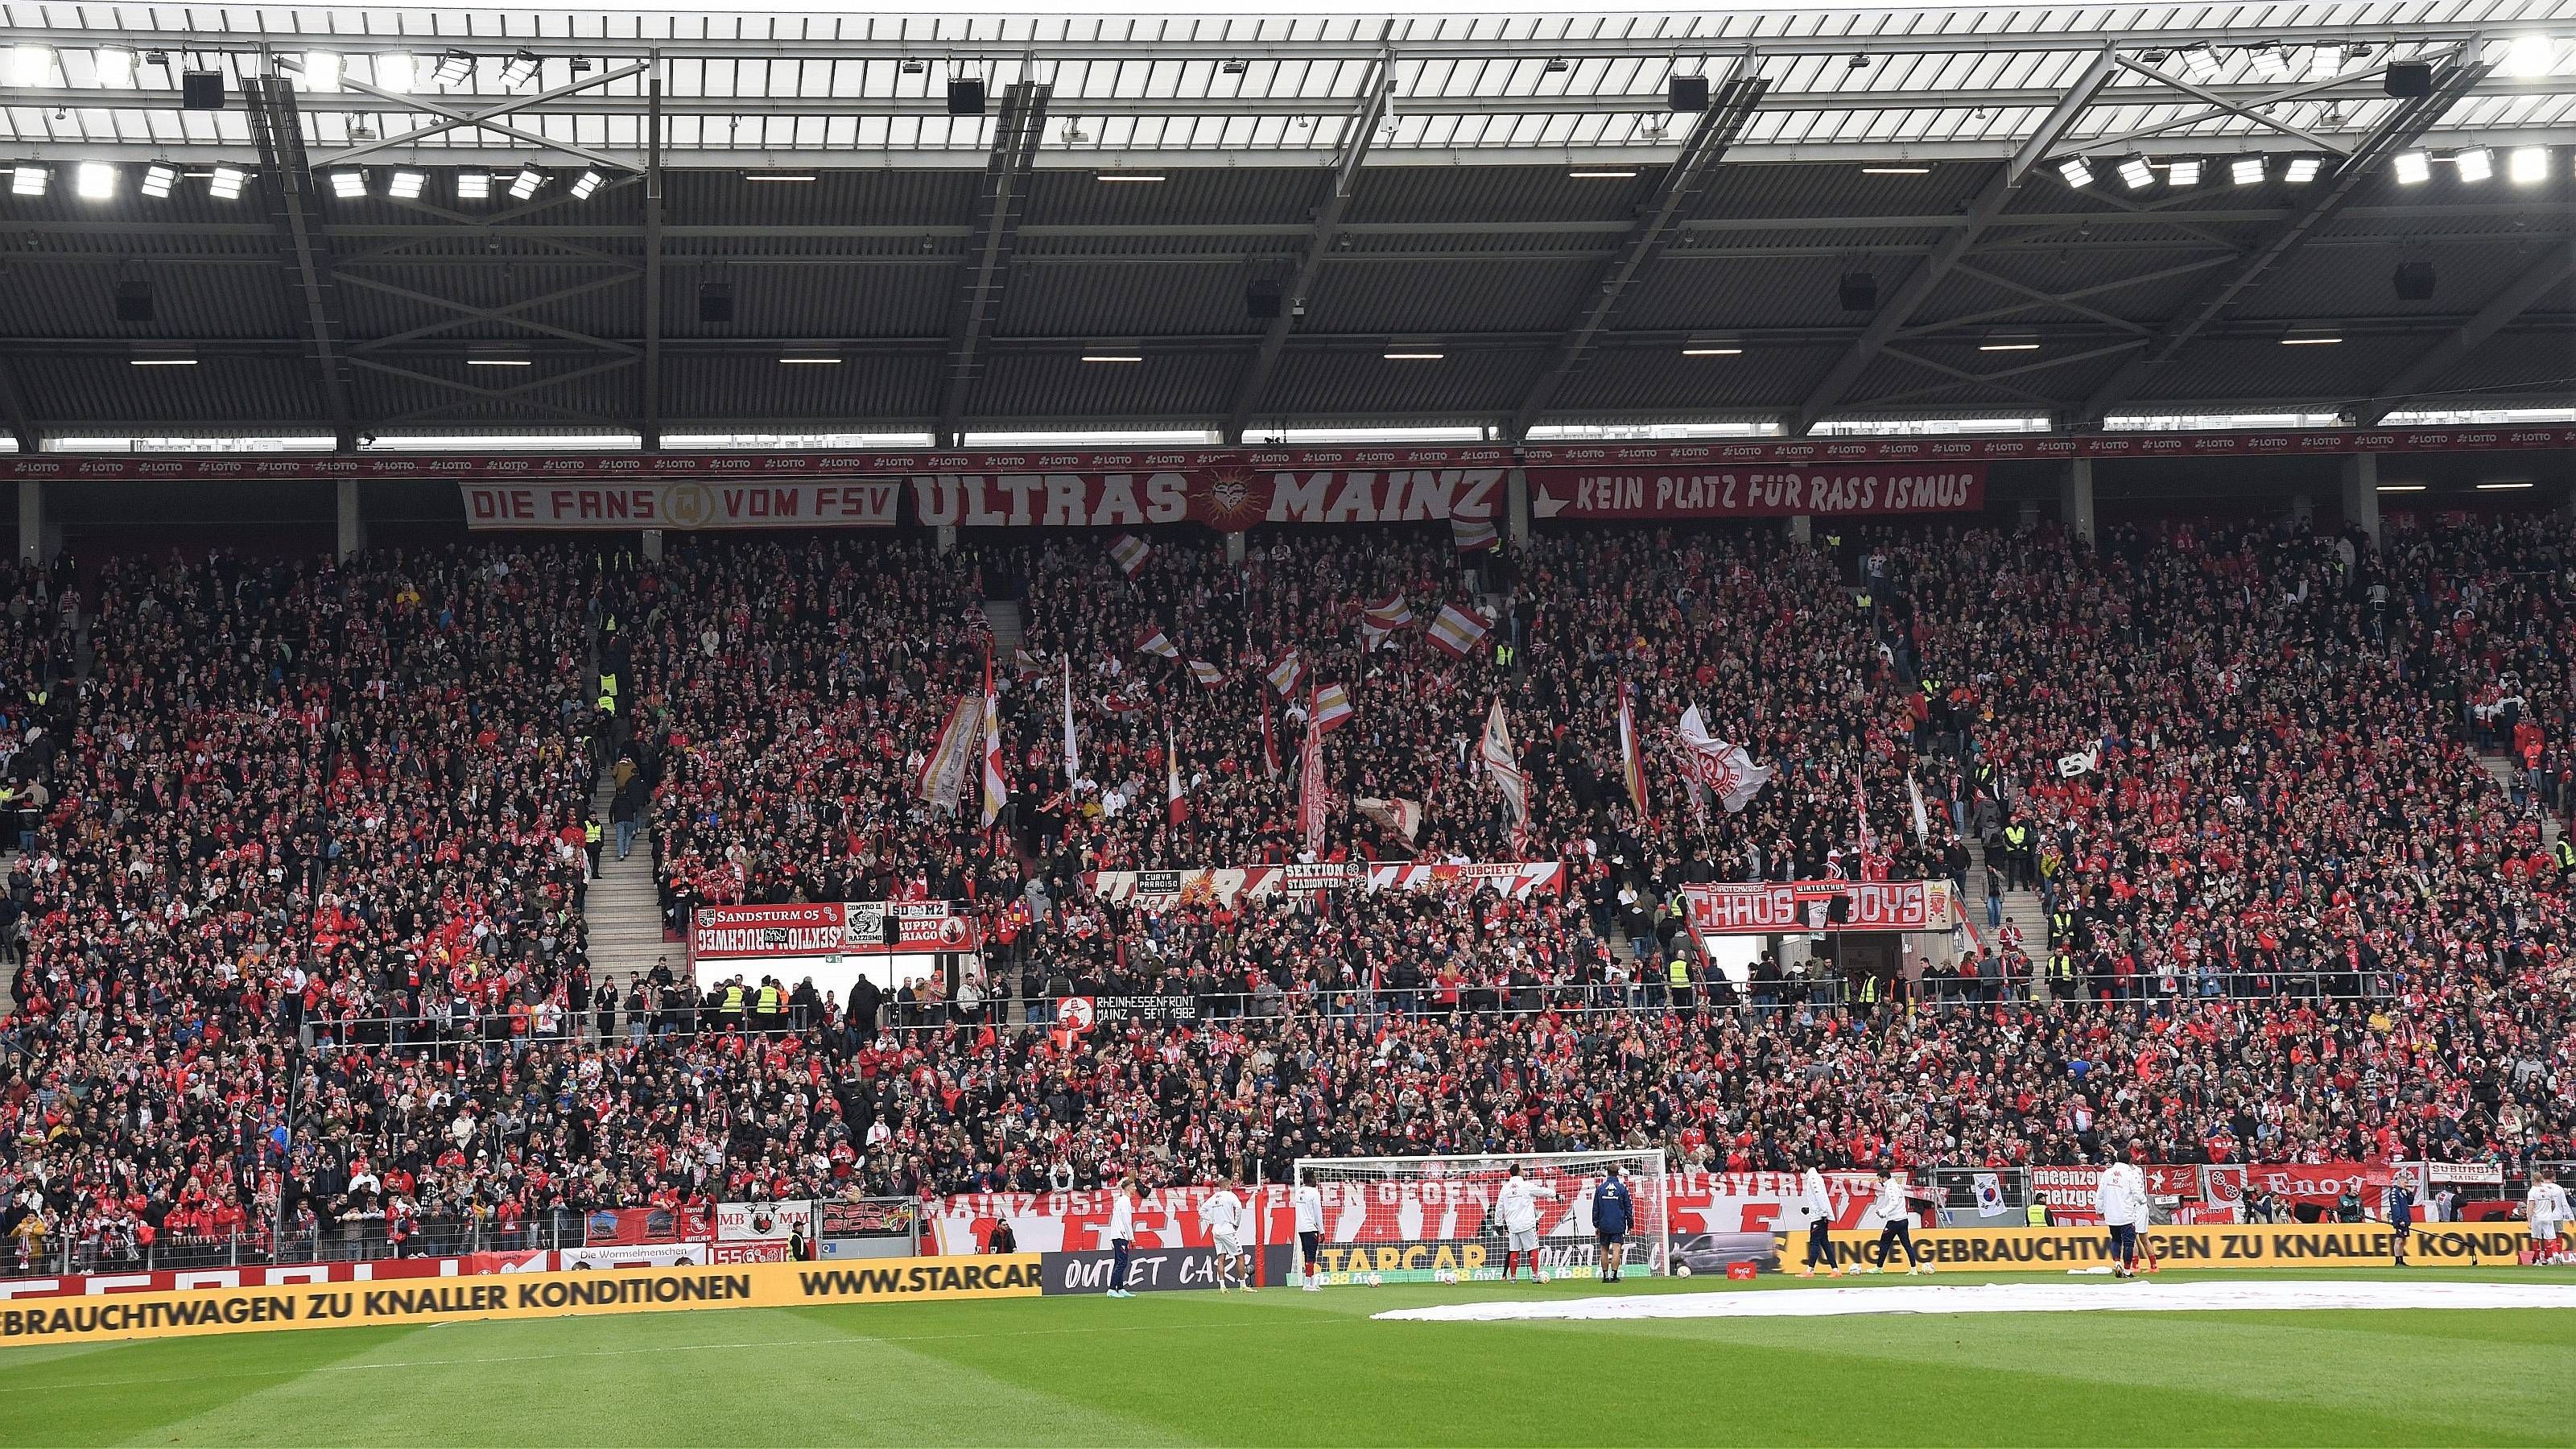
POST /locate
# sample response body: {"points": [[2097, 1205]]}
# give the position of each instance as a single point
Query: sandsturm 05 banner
{"points": [[828, 928]]}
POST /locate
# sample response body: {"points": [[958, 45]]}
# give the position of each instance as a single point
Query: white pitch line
{"points": [[2095, 1297]]}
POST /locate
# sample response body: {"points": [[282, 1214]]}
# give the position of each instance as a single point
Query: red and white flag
{"points": [[1724, 770], [997, 788], [1379, 622], [1457, 631], [1331, 709], [1130, 553], [1029, 665], [1206, 673], [1285, 675], [1860, 807], [1311, 803], [1152, 640], [1130, 700], [1632, 763], [943, 771], [1473, 535], [1176, 803], [1404, 817], [1503, 766]]}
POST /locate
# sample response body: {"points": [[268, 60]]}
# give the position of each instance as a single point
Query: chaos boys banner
{"points": [[1228, 885], [1771, 909]]}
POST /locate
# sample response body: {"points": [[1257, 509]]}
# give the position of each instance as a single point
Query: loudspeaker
{"points": [[2410, 78], [889, 929], [1838, 910], [715, 301], [1261, 301], [1688, 93], [201, 90], [965, 98], [2413, 281], [1859, 292], [134, 301]]}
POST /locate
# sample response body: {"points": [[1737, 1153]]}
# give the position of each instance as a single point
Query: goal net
{"points": [[1432, 1219]]}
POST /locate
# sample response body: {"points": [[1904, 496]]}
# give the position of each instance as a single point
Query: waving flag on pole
{"points": [[1130, 552], [1285, 675], [1503, 766], [1072, 753], [1457, 631], [1632, 765], [1474, 535], [1860, 806], [1404, 817], [1176, 804], [943, 773], [1380, 621], [996, 788], [1726, 771], [1150, 639], [1310, 783], [1922, 820], [1331, 708], [1206, 673], [1269, 743]]}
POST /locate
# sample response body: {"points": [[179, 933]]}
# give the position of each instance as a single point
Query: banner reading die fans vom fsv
{"points": [[1518, 879], [1228, 494], [827, 928]]}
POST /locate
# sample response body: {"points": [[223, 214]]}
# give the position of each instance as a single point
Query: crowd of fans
{"points": [[300, 935]]}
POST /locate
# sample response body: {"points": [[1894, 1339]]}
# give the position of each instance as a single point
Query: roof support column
{"points": [[2075, 498], [2361, 494]]}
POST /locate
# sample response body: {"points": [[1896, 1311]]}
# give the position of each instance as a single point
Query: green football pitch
{"points": [[1295, 1368]]}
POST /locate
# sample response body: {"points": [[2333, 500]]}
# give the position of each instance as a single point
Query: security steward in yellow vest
{"points": [[773, 1005], [732, 1010], [1681, 984], [2565, 854], [2017, 863], [591, 836]]}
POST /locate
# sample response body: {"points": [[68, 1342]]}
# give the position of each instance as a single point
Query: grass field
{"points": [[1284, 1367]]}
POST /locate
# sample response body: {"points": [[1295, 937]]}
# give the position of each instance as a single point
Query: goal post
{"points": [[1432, 1219]]}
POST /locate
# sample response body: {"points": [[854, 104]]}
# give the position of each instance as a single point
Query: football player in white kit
{"points": [[1222, 1213], [1308, 1200]]}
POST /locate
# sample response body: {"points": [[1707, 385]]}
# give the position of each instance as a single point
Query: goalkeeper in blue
{"points": [[1613, 1213]]}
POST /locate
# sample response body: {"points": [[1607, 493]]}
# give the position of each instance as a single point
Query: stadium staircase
{"points": [[2022, 908], [2507, 775], [623, 913], [1002, 616]]}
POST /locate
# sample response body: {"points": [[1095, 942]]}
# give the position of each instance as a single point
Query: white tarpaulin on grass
{"points": [[2107, 1296]]}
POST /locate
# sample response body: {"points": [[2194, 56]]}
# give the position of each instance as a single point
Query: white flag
{"points": [[1072, 752], [2079, 762], [1922, 822], [1505, 767]]}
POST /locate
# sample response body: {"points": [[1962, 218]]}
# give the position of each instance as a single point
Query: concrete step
{"points": [[2023, 908], [2509, 777], [1003, 617], [622, 912]]}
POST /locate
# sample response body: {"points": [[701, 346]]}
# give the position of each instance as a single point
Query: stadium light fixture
{"points": [[454, 67], [162, 357], [406, 185], [1712, 347], [525, 184], [94, 181], [2246, 170], [115, 65], [25, 180], [2528, 57], [1146, 177], [586, 184], [321, 70], [2185, 172], [1602, 173], [810, 359], [1907, 169], [1121, 356], [349, 185], [225, 183], [2401, 487], [778, 176], [397, 71], [2075, 171], [499, 357], [158, 178], [2302, 169], [2203, 64], [2412, 168], [2527, 165], [518, 70], [2476, 163], [2278, 63], [2009, 342], [2311, 338], [1412, 354], [2499, 485], [473, 185], [30, 65], [2137, 173]]}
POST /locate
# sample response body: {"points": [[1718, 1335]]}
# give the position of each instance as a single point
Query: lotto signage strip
{"points": [[2055, 1250], [1551, 462], [526, 1295]]}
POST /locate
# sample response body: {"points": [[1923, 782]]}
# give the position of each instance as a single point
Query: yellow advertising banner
{"points": [[2305, 1245], [511, 1295]]}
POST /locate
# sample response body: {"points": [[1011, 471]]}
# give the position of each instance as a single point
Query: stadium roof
{"points": [[1515, 193]]}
